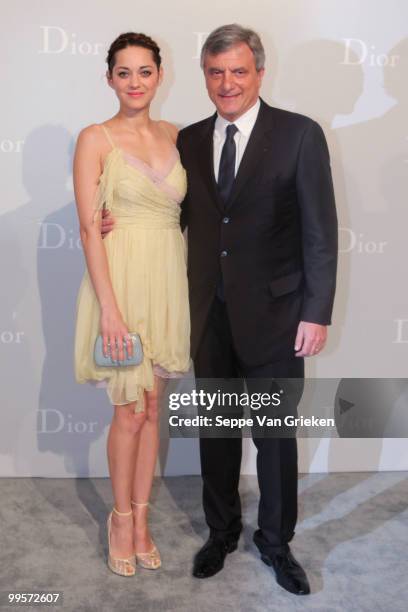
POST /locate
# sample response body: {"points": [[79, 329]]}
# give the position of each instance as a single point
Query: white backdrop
{"points": [[342, 62]]}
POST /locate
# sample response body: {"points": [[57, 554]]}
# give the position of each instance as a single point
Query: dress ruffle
{"points": [[104, 196]]}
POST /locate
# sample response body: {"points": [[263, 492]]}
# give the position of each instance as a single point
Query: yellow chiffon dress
{"points": [[146, 253]]}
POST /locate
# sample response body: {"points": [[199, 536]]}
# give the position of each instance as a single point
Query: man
{"points": [[262, 253]]}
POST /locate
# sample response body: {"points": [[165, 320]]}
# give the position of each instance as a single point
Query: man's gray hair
{"points": [[227, 36]]}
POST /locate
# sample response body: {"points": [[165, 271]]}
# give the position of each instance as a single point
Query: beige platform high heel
{"points": [[151, 559], [122, 567]]}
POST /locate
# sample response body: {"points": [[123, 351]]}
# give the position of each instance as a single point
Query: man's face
{"points": [[232, 81]]}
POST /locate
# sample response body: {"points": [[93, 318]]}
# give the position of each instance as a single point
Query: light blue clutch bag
{"points": [[108, 362]]}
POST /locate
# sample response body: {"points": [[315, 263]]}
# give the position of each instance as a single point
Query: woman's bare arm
{"points": [[87, 170]]}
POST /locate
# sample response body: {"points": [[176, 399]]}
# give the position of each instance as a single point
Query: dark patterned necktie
{"points": [[226, 172], [226, 175]]}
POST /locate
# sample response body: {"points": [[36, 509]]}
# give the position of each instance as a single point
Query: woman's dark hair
{"points": [[132, 39]]}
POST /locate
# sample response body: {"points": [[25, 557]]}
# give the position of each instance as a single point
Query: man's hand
{"points": [[107, 223], [310, 339]]}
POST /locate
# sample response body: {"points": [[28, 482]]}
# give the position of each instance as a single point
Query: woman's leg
{"points": [[123, 438], [146, 457]]}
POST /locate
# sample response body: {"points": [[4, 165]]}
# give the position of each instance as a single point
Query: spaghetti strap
{"points": [[167, 133], [108, 136]]}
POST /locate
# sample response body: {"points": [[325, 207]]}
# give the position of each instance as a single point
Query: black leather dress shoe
{"points": [[289, 573], [210, 558]]}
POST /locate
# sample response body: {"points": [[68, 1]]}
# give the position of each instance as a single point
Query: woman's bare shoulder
{"points": [[170, 128], [91, 134]]}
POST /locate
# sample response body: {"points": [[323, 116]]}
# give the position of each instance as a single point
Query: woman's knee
{"points": [[153, 415], [152, 407], [129, 420]]}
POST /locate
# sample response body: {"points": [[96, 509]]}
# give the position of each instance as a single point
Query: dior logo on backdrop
{"points": [[200, 38], [358, 243], [11, 146], [52, 421], [367, 54], [401, 336], [55, 236], [56, 40], [11, 336]]}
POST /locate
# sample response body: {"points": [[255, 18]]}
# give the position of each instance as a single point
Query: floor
{"points": [[351, 538]]}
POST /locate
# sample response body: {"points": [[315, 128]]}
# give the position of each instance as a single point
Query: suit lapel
{"points": [[206, 162], [256, 146]]}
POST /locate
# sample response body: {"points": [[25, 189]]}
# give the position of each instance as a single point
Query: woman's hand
{"points": [[114, 332], [107, 223]]}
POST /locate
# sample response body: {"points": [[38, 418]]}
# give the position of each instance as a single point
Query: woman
{"points": [[136, 281]]}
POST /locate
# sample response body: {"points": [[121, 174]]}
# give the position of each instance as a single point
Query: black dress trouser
{"points": [[277, 467]]}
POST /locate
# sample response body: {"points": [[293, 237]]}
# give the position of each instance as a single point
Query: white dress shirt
{"points": [[245, 124]]}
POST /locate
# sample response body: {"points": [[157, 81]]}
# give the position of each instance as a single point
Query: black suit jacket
{"points": [[275, 242]]}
